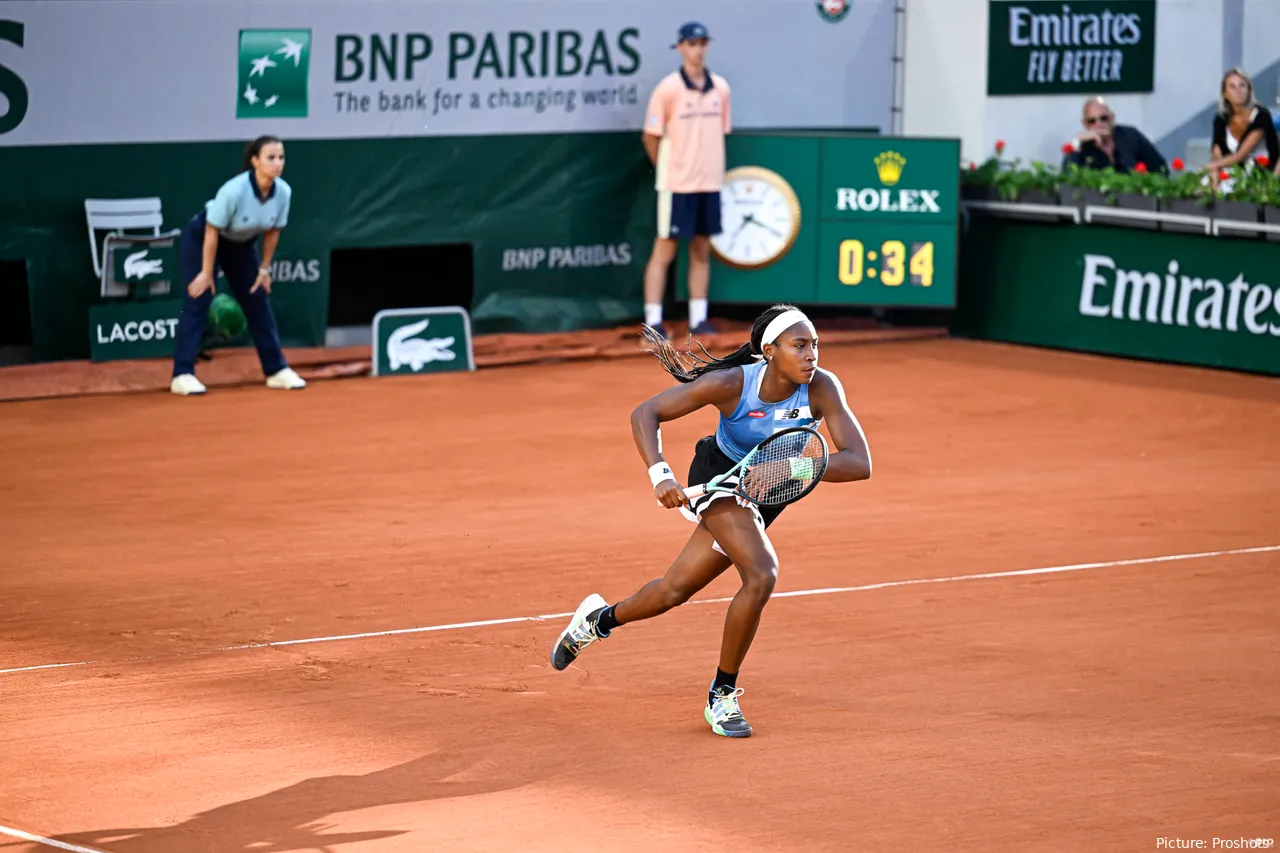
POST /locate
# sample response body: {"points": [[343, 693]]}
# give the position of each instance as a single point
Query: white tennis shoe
{"points": [[724, 714], [186, 384], [286, 380], [582, 632]]}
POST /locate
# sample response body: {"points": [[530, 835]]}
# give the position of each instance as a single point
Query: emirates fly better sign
{"points": [[1051, 47]]}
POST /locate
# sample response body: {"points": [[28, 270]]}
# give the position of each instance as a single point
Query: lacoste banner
{"points": [[133, 329], [1165, 297], [421, 340], [1051, 47], [210, 70]]}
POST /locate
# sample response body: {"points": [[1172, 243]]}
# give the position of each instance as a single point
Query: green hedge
{"points": [[1008, 180]]}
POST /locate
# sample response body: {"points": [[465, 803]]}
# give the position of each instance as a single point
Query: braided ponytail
{"points": [[686, 367]]}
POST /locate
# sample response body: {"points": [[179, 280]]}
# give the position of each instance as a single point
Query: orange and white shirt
{"points": [[692, 123]]}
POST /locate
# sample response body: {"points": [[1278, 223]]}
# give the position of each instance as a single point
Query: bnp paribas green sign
{"points": [[273, 69], [1051, 47]]}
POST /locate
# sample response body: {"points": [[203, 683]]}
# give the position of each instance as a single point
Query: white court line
{"points": [[40, 839], [457, 626], [48, 666]]}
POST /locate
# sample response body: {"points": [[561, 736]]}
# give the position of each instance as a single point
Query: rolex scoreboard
{"points": [[830, 218]]}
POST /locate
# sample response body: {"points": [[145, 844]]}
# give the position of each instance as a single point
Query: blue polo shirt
{"points": [[241, 213]]}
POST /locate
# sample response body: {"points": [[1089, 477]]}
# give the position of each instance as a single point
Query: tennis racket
{"points": [[780, 470]]}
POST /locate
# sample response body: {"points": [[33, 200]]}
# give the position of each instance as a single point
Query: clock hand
{"points": [[751, 218], [768, 228]]}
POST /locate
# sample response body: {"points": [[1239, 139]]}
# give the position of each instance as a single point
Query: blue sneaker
{"points": [[582, 632], [704, 328], [724, 715], [661, 330]]}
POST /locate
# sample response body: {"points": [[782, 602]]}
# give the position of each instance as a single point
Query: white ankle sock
{"points": [[652, 313], [697, 312]]}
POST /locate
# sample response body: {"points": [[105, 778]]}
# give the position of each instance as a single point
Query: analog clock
{"points": [[759, 218]]}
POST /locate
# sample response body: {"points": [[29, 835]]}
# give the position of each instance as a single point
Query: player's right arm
{"points": [[719, 388], [651, 144], [219, 214], [655, 123]]}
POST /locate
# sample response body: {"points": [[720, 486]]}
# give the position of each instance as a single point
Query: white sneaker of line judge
{"points": [[186, 385], [286, 380]]}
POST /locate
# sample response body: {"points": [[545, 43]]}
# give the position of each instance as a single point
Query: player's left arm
{"points": [[852, 459], [269, 241]]}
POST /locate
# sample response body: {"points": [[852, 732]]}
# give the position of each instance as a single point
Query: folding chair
{"points": [[117, 217]]}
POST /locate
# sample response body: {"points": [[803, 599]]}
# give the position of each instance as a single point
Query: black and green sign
{"points": [[1050, 47], [407, 341], [1142, 294], [124, 330]]}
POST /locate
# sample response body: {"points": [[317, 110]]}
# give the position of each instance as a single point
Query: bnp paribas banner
{"points": [[120, 71], [1167, 297]]}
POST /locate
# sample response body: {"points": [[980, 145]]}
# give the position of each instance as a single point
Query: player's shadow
{"points": [[293, 818]]}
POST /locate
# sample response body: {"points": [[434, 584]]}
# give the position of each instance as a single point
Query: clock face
{"points": [[759, 218]]}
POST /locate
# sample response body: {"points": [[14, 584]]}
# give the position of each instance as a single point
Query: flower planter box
{"points": [[1025, 199], [1238, 211], [1271, 216], [1135, 201], [1079, 197], [972, 192], [1037, 197], [1186, 207]]}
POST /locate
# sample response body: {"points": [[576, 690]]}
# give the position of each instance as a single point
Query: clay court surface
{"points": [[1096, 708]]}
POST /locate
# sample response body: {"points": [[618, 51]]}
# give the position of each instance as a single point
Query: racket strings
{"points": [[783, 468]]}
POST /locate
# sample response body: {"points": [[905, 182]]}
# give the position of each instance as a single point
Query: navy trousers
{"points": [[239, 262]]}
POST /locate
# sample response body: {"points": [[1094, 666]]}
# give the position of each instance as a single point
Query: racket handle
{"points": [[694, 492]]}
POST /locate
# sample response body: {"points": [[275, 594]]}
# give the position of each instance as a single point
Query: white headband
{"points": [[785, 321]]}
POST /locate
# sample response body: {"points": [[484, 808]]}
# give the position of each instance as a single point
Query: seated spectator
{"points": [[1104, 143], [1243, 131]]}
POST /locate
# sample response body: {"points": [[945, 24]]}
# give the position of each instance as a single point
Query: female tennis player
{"points": [[772, 382], [255, 203]]}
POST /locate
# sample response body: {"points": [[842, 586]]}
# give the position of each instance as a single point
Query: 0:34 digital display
{"points": [[890, 263]]}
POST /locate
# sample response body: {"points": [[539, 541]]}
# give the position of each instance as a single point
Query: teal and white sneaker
{"points": [[582, 632], [724, 715]]}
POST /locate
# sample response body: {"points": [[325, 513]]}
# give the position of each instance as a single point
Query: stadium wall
{"points": [[507, 126]]}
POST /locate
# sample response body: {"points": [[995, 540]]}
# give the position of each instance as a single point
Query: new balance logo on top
{"points": [[791, 414]]}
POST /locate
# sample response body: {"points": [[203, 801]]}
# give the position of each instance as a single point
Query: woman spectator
{"points": [[1243, 132]]}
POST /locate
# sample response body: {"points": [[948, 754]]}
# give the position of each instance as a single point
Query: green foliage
{"points": [[1012, 181]]}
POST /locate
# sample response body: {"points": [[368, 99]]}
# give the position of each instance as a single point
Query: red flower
{"points": [[1068, 148], [973, 167], [999, 146], [1141, 168], [1178, 165], [1223, 175], [1264, 161]]}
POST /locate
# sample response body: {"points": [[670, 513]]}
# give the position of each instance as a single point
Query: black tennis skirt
{"points": [[710, 461]]}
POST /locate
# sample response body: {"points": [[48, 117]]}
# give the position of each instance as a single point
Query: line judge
{"points": [[255, 203]]}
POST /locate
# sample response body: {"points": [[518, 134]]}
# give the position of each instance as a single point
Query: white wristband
{"points": [[660, 471]]}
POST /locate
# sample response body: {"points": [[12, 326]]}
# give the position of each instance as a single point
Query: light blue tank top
{"points": [[754, 421]]}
